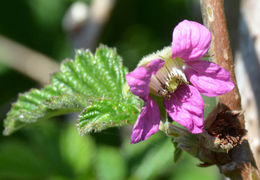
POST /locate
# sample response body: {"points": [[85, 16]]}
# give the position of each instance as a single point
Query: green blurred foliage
{"points": [[79, 154], [110, 164], [53, 149]]}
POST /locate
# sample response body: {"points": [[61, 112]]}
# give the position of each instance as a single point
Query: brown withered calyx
{"points": [[222, 123]]}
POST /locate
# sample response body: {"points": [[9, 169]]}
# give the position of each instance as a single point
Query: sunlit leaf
{"points": [[105, 113], [92, 83]]}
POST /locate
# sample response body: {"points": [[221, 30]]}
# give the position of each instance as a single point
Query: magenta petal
{"points": [[186, 107], [139, 79], [209, 78], [147, 122], [190, 40]]}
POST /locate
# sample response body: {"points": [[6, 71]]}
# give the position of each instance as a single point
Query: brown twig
{"points": [[98, 14], [214, 19], [241, 164], [28, 62]]}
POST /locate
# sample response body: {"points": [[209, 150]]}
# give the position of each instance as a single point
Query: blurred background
{"points": [[36, 35]]}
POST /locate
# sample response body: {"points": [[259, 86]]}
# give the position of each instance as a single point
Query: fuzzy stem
{"points": [[243, 164]]}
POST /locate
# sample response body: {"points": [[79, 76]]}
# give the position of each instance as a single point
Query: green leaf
{"points": [[106, 113], [110, 164], [177, 152], [155, 162], [18, 161], [72, 153], [91, 83]]}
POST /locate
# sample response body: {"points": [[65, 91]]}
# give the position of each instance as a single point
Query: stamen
{"points": [[168, 78]]}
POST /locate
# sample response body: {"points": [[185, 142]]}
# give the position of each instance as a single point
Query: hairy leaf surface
{"points": [[91, 84]]}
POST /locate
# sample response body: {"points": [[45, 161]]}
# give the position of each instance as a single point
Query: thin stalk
{"points": [[28, 62]]}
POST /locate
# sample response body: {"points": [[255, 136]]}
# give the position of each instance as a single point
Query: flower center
{"points": [[168, 78]]}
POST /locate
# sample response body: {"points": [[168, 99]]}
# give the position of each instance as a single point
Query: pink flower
{"points": [[178, 75]]}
